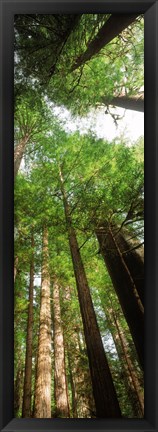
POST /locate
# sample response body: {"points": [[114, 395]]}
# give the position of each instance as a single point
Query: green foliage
{"points": [[46, 55], [103, 182]]}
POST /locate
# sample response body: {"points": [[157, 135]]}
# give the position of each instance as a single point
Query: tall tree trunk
{"points": [[103, 388], [112, 28], [131, 372], [135, 103], [133, 259], [35, 378], [19, 152], [124, 286], [133, 397], [83, 405], [126, 376], [79, 375], [43, 382], [60, 384], [18, 389], [73, 389], [88, 404], [26, 411]]}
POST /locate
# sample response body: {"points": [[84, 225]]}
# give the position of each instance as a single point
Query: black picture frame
{"points": [[7, 421]]}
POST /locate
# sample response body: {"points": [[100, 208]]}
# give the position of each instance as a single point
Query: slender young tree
{"points": [[73, 388], [81, 394], [43, 381], [18, 386], [134, 385], [80, 381]]}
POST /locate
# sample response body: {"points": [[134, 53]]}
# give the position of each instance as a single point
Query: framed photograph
{"points": [[78, 187]]}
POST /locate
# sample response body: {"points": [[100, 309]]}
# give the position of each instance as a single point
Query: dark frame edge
{"points": [[13, 426], [6, 414], [72, 6]]}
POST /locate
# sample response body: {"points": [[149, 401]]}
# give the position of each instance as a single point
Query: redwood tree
{"points": [[26, 410], [43, 380], [60, 381]]}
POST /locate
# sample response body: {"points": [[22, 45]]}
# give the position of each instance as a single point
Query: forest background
{"points": [[78, 217]]}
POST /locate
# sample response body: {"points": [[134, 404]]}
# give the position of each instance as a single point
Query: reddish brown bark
{"points": [[26, 410], [60, 383], [43, 381]]}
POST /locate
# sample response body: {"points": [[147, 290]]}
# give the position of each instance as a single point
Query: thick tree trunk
{"points": [[43, 382], [133, 379], [135, 103], [60, 384], [124, 286], [103, 388], [19, 152], [112, 28], [26, 411], [133, 259]]}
